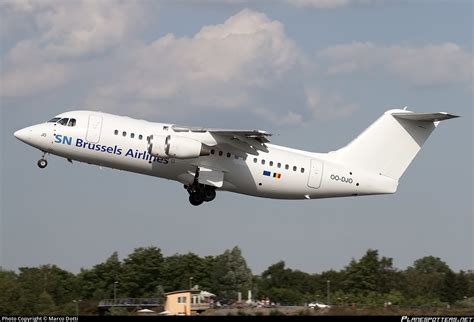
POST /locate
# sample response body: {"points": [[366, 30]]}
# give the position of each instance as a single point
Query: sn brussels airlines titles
{"points": [[144, 155], [206, 160]]}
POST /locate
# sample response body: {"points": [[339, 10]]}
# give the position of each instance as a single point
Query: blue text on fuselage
{"points": [[63, 139], [133, 153]]}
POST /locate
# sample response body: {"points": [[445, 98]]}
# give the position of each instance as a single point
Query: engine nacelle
{"points": [[179, 147]]}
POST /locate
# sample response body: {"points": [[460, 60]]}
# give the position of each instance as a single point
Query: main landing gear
{"points": [[42, 163], [199, 193]]}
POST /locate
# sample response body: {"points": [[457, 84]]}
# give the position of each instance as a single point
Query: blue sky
{"points": [[314, 72]]}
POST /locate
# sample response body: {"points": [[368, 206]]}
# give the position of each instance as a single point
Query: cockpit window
{"points": [[63, 121], [54, 120], [72, 122]]}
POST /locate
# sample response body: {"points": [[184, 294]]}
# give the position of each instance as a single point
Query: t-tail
{"points": [[389, 145]]}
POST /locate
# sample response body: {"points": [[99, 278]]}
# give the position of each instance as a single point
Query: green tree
{"points": [[369, 274], [431, 264], [10, 293], [461, 285], [181, 270], [142, 272], [45, 305], [231, 274], [427, 279], [470, 285], [98, 283], [285, 285], [336, 280], [275, 275], [447, 290], [59, 284]]}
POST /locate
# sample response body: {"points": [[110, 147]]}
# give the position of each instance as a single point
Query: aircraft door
{"points": [[94, 128], [315, 174]]}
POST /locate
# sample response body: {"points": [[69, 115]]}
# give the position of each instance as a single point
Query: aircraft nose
{"points": [[23, 134]]}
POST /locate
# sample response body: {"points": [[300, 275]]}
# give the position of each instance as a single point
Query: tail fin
{"points": [[390, 144]]}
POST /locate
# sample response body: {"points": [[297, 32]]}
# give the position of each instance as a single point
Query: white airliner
{"points": [[206, 160]]}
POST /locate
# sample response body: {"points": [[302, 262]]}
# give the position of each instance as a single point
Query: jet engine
{"points": [[172, 146]]}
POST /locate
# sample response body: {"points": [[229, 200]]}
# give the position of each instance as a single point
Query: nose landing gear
{"points": [[42, 163]]}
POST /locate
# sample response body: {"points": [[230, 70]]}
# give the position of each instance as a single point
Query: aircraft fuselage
{"points": [[122, 143]]}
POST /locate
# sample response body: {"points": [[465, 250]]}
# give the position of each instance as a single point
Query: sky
{"points": [[313, 72]]}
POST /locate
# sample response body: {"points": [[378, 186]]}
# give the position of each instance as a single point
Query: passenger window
{"points": [[279, 165], [302, 170], [213, 151], [271, 163], [54, 120], [63, 121], [124, 133], [236, 157], [132, 135], [294, 168], [254, 160], [116, 132], [263, 161], [287, 166], [220, 153], [228, 154], [140, 137]]}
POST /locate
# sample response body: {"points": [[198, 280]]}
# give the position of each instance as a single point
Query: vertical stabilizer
{"points": [[390, 144]]}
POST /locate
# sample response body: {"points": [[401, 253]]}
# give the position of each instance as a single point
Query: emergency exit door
{"points": [[315, 174]]}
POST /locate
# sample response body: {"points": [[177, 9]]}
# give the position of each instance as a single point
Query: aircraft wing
{"points": [[246, 141]]}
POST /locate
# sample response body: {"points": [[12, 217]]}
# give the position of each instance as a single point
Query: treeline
{"points": [[371, 280]]}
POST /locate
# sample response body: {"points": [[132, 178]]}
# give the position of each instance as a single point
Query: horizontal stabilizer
{"points": [[433, 117]]}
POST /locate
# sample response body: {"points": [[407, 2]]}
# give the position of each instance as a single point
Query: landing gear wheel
{"points": [[196, 198], [209, 194], [42, 163]]}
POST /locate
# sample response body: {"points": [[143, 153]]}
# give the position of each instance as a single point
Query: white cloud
{"points": [[61, 34], [289, 118], [220, 67], [23, 81], [419, 65], [324, 105], [78, 28]]}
